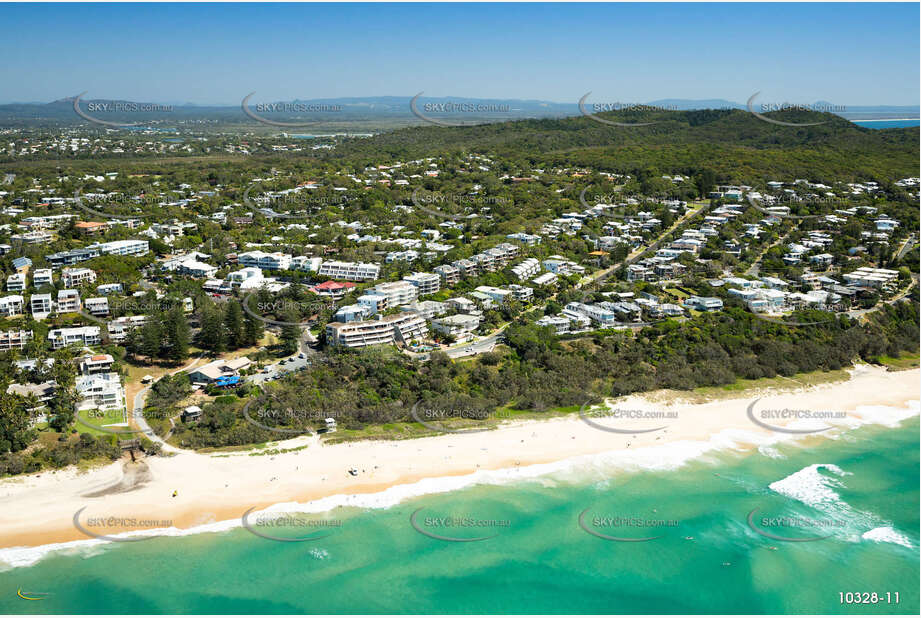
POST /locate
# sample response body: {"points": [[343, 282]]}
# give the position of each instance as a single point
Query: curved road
{"points": [[138, 415]]}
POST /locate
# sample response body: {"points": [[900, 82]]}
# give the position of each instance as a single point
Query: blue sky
{"points": [[855, 54]]}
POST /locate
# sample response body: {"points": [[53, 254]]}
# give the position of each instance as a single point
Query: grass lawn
{"points": [[905, 361], [100, 419]]}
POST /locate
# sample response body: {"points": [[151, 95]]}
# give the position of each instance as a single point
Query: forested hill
{"points": [[734, 143]]}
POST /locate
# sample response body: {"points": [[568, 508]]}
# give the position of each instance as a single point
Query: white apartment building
{"points": [[199, 270], [41, 306], [545, 279], [374, 302], [457, 325], [75, 277], [245, 278], [428, 283], [122, 247], [498, 295], [100, 363], [101, 391], [42, 276], [397, 292], [428, 309], [68, 301], [602, 316], [520, 292], [461, 304], [559, 323], [561, 266], [97, 306], [118, 329], [349, 271], [526, 269], [110, 288], [14, 339], [11, 305], [16, 282], [871, 277], [81, 335], [399, 328], [466, 268], [306, 263], [450, 275], [265, 261]]}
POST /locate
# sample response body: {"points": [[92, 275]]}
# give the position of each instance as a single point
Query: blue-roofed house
{"points": [[22, 264]]}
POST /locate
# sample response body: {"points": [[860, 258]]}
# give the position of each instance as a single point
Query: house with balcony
{"points": [[68, 301], [75, 277], [11, 305], [427, 283], [41, 306], [80, 335], [14, 339]]}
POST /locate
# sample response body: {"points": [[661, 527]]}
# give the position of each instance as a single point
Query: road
{"points": [[859, 313], [908, 244], [297, 361], [601, 275], [488, 342], [141, 422], [754, 269]]}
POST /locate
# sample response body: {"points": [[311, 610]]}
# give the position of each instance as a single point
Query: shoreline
{"points": [[214, 490]]}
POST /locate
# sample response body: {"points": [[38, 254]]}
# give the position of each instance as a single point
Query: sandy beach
{"points": [[39, 509]]}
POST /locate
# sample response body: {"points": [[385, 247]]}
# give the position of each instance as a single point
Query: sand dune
{"points": [[39, 509]]}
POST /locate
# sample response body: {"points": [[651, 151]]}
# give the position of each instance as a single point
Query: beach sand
{"points": [[39, 509]]}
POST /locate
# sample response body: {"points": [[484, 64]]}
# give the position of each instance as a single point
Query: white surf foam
{"points": [[816, 489], [668, 456], [811, 487], [770, 451], [886, 534]]}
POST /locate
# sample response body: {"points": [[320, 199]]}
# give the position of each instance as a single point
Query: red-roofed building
{"points": [[89, 228], [333, 289]]}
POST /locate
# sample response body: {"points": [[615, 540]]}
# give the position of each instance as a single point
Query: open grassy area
{"points": [[99, 418], [905, 361]]}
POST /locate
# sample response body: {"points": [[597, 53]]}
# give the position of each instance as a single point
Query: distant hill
{"points": [[388, 111], [730, 141]]}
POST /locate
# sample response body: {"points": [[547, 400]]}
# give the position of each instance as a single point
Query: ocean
{"points": [[784, 527], [888, 124]]}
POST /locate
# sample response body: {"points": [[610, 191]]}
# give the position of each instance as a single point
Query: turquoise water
{"points": [[543, 561], [888, 124]]}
